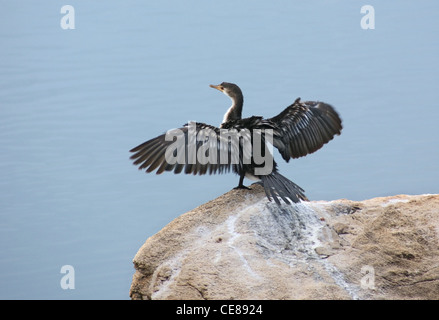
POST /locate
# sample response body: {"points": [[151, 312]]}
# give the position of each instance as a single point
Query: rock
{"points": [[241, 246]]}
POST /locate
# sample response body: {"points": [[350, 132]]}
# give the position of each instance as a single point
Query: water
{"points": [[73, 102]]}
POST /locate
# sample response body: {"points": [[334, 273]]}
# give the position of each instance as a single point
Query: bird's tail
{"points": [[277, 186]]}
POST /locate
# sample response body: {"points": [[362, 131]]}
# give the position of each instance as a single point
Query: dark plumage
{"points": [[301, 129]]}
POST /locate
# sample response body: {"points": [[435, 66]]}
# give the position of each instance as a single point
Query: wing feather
{"points": [[303, 128], [152, 155]]}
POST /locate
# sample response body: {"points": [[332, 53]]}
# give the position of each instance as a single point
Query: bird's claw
{"points": [[242, 187]]}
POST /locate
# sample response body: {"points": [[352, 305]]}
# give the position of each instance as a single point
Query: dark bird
{"points": [[197, 148]]}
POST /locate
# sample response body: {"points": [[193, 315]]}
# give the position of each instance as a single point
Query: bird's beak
{"points": [[218, 87]]}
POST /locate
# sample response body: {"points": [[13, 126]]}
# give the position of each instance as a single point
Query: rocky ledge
{"points": [[241, 246]]}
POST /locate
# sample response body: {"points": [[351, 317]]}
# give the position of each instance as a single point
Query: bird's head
{"points": [[229, 89]]}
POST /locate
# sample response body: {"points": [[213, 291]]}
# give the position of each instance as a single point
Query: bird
{"points": [[196, 148]]}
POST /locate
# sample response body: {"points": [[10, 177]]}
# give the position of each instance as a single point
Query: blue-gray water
{"points": [[73, 102]]}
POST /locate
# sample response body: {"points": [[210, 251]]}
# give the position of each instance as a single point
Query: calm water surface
{"points": [[73, 102]]}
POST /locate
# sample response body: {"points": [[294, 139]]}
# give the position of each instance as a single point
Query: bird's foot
{"points": [[241, 186]]}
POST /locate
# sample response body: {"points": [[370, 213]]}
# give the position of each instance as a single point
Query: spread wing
{"points": [[196, 148], [303, 128]]}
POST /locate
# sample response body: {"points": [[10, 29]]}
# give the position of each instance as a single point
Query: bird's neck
{"points": [[235, 111]]}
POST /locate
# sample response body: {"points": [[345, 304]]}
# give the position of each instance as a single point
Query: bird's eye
{"points": [[221, 87]]}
